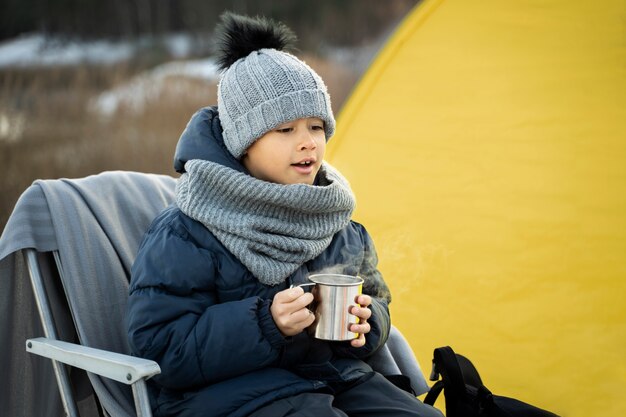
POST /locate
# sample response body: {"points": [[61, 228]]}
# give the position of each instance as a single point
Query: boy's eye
{"points": [[317, 127], [284, 130]]}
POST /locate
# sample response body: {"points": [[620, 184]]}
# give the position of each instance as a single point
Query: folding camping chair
{"points": [[118, 367], [78, 240]]}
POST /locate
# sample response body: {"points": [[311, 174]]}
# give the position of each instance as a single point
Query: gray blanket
{"points": [[96, 224]]}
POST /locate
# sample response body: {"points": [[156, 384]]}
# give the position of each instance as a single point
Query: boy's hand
{"points": [[363, 313], [289, 311]]}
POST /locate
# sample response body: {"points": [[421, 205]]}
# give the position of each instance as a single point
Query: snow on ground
{"points": [[149, 86], [11, 126], [38, 50], [35, 50]]}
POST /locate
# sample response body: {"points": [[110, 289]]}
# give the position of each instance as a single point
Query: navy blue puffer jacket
{"points": [[197, 311]]}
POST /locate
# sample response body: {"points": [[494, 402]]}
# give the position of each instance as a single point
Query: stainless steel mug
{"points": [[334, 294]]}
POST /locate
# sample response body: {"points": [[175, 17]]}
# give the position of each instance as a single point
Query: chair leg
{"points": [[45, 313], [142, 403]]}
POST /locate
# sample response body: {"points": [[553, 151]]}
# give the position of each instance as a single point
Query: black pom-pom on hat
{"points": [[237, 36]]}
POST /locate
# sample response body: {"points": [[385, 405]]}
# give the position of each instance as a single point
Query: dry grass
{"points": [[48, 131]]}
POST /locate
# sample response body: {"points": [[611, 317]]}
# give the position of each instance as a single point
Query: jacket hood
{"points": [[202, 139]]}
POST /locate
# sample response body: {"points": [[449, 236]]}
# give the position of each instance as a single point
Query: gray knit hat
{"points": [[262, 86]]}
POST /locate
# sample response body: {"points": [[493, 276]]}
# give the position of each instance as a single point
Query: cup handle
{"points": [[306, 284]]}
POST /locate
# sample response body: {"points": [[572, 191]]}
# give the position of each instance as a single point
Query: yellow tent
{"points": [[487, 149]]}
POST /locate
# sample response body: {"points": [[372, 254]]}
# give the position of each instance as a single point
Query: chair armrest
{"points": [[122, 368]]}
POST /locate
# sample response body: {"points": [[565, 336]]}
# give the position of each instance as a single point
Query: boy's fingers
{"points": [[362, 328], [361, 312], [302, 301], [360, 342], [288, 295], [363, 300], [298, 321], [302, 316], [291, 302]]}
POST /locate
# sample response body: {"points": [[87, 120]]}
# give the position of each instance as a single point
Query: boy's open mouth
{"points": [[302, 164], [304, 167]]}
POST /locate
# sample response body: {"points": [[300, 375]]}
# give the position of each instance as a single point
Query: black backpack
{"points": [[464, 392]]}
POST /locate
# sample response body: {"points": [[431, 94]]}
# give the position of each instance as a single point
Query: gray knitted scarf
{"points": [[271, 228]]}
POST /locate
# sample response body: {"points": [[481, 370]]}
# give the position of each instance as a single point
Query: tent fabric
{"points": [[486, 146]]}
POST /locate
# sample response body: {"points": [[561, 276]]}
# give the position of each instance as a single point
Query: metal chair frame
{"points": [[126, 369]]}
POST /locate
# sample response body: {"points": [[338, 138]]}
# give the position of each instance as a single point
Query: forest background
{"points": [[92, 85]]}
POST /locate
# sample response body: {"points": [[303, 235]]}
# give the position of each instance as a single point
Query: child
{"points": [[257, 210]]}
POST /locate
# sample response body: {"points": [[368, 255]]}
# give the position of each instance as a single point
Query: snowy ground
{"points": [[149, 86], [39, 51]]}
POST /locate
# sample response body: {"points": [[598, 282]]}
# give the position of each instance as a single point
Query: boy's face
{"points": [[292, 153]]}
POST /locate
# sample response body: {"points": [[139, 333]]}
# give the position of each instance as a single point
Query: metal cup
{"points": [[334, 294]]}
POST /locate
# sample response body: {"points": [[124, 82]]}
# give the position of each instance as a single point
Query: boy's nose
{"points": [[307, 141]]}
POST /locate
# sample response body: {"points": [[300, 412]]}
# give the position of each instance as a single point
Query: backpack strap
{"points": [[445, 363], [465, 394], [470, 374], [457, 373], [433, 393]]}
